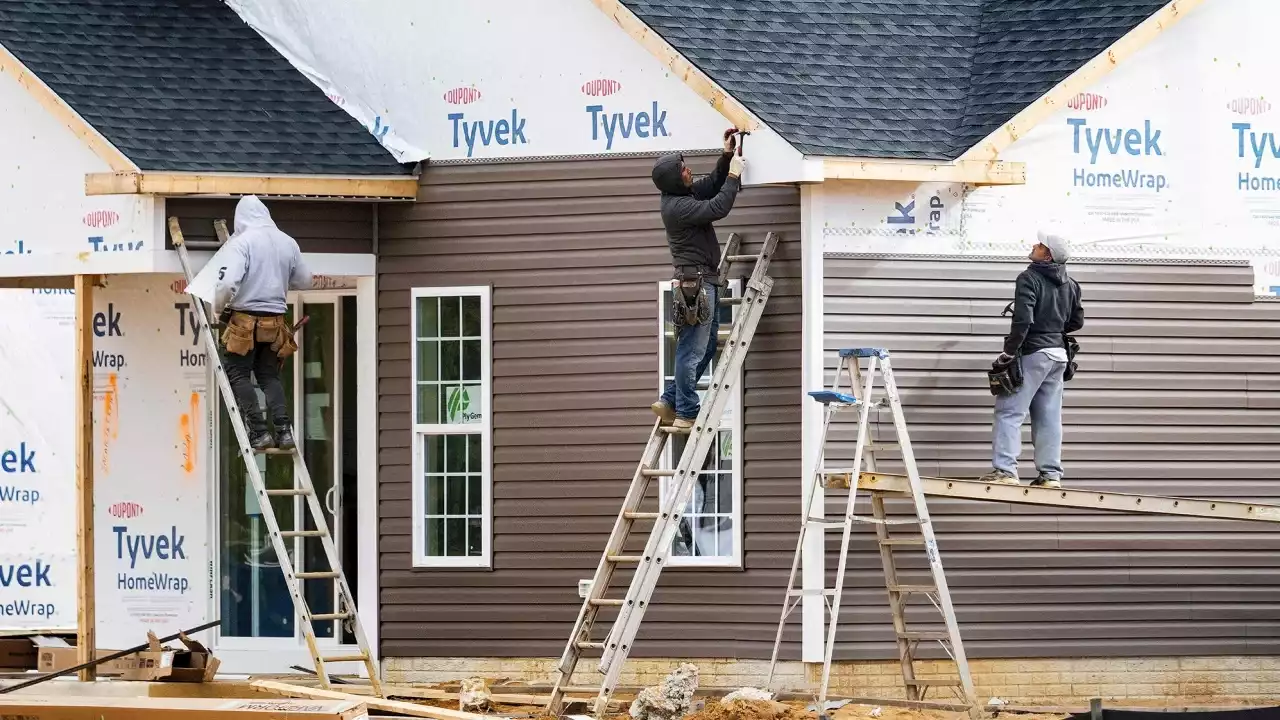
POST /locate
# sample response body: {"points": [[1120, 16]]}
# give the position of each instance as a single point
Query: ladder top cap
{"points": [[864, 352], [827, 397]]}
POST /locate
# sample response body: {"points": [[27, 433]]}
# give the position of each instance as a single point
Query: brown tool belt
{"points": [[243, 331]]}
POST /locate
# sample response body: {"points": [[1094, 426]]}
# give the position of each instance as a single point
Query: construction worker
{"points": [[689, 207], [1046, 308], [262, 264]]}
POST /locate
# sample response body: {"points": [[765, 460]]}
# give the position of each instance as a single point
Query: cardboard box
{"points": [[54, 654], [43, 707], [17, 654], [195, 664]]}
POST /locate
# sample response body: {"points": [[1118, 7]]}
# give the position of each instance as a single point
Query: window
{"points": [[710, 532], [450, 358]]}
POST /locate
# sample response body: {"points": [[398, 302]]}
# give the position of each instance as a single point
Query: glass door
{"points": [[254, 601]]}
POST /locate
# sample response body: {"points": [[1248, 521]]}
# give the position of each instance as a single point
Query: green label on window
{"points": [[462, 405]]}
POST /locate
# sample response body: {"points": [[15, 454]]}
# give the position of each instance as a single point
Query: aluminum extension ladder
{"points": [[835, 402], [648, 566], [345, 605]]}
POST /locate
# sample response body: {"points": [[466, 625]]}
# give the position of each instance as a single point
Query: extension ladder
{"points": [[648, 566], [837, 401], [344, 604]]}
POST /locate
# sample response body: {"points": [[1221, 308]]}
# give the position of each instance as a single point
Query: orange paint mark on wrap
{"points": [[188, 424], [110, 418]]}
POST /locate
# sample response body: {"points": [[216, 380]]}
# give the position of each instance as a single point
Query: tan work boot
{"points": [[999, 477], [665, 412], [682, 423]]}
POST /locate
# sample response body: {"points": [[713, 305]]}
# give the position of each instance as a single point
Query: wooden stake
{"points": [[85, 638]]}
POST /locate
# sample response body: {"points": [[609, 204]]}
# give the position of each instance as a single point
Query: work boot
{"points": [[666, 414], [1046, 482], [683, 423], [284, 438], [999, 477], [260, 440]]}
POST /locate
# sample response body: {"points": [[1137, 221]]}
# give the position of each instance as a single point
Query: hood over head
{"points": [[667, 175], [1055, 272], [251, 213]]}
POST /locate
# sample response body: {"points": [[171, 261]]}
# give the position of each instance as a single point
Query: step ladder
{"points": [[838, 401], [615, 647], [344, 603]]}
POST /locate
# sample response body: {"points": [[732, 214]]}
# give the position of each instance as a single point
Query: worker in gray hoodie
{"points": [[261, 265], [1046, 308]]}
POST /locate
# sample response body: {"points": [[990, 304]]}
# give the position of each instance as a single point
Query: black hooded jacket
{"points": [[1046, 306], [687, 212]]}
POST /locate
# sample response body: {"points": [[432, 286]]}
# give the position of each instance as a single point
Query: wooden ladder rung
{"points": [[630, 515], [344, 658], [608, 602]]}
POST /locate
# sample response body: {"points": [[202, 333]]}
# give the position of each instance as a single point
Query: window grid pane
{"points": [[448, 372], [707, 526], [454, 508]]}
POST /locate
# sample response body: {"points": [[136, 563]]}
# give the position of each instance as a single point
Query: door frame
{"points": [[265, 655]]}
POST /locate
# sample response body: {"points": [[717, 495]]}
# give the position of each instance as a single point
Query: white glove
{"points": [[736, 166], [1004, 358]]}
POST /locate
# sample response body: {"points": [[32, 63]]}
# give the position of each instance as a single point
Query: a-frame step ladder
{"points": [[648, 566], [859, 397], [344, 605]]}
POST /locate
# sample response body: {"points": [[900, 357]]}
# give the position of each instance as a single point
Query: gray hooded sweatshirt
{"points": [[262, 263]]}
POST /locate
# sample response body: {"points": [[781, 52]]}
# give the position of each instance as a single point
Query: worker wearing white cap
{"points": [[1046, 309]]}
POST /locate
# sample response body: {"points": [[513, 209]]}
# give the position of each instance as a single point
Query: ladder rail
{"points": [[302, 481]]}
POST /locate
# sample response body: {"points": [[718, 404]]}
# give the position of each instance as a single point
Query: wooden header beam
{"points": [[891, 483], [990, 147], [224, 184], [698, 81], [976, 172]]}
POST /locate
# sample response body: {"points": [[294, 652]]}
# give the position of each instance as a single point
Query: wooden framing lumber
{"points": [[1063, 497], [975, 172], [63, 113], [990, 147], [86, 640], [374, 703], [698, 81], [230, 184]]}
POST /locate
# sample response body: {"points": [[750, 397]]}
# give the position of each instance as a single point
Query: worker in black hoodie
{"points": [[689, 207]]}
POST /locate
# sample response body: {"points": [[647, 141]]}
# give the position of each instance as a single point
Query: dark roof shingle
{"points": [[185, 85], [889, 78]]}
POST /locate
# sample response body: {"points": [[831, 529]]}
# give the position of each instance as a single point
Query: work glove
{"points": [[736, 166], [1004, 359]]}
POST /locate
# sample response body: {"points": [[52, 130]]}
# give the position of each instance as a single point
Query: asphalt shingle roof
{"points": [[889, 78], [185, 85]]}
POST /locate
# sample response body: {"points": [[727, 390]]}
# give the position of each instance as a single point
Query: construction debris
{"points": [[374, 703], [474, 695], [670, 699], [746, 693], [40, 707]]}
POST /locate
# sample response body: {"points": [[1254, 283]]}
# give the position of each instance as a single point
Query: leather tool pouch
{"points": [[275, 330], [1005, 378], [237, 336], [690, 304]]}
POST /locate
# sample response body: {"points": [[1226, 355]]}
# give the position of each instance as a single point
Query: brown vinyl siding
{"points": [[574, 250], [318, 226], [1178, 393]]}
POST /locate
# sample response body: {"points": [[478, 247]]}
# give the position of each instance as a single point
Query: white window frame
{"points": [[420, 430], [733, 410]]}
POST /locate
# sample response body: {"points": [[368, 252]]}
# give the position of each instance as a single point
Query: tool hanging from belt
{"points": [[690, 304], [1005, 378]]}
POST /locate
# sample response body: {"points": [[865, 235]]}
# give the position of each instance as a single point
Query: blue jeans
{"points": [[1041, 394], [695, 348]]}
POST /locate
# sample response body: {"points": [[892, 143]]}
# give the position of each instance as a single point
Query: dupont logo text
{"points": [[101, 218], [461, 96], [127, 510], [1249, 105], [601, 88], [1087, 101]]}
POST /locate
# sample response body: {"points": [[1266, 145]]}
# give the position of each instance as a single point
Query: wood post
{"points": [[85, 637]]}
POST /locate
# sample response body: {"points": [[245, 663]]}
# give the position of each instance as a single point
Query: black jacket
{"points": [[1046, 306], [687, 212]]}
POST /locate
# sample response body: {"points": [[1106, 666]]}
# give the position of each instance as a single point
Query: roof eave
{"points": [[973, 172], [190, 184], [1091, 72]]}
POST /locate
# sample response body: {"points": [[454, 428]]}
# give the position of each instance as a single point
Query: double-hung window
{"points": [[710, 532], [452, 381]]}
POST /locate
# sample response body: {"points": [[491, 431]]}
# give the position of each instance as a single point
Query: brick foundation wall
{"points": [[1198, 680]]}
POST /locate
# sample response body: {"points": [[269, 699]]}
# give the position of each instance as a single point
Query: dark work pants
{"points": [[263, 363]]}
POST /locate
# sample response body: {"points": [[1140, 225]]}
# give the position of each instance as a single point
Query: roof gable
{"points": [[922, 79], [186, 86]]}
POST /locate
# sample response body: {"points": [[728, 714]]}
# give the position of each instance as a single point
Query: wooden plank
{"points": [[86, 640], [405, 708], [690, 75], [438, 694], [1079, 81], [58, 707], [232, 184], [977, 172], [1063, 497], [64, 113], [58, 282]]}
